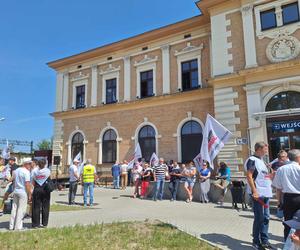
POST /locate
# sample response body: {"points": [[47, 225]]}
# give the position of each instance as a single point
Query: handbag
{"points": [[49, 186]]}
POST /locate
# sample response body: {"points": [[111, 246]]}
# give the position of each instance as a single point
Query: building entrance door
{"points": [[283, 133]]}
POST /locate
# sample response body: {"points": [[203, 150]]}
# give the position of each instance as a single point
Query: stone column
{"points": [[249, 36], [166, 68], [65, 91], [127, 71], [94, 86], [59, 91]]}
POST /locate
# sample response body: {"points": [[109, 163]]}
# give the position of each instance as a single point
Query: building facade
{"points": [[238, 60]]}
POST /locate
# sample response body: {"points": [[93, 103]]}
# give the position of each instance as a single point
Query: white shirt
{"points": [[21, 176], [40, 175], [124, 168], [287, 178], [73, 170]]}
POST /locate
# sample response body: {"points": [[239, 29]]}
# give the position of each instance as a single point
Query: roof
{"points": [[130, 42]]}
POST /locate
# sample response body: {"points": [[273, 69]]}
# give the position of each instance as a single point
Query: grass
{"points": [[59, 208], [129, 235]]}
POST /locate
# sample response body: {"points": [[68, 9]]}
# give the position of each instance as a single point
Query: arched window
{"points": [[109, 146], [191, 140], [147, 141], [284, 100], [77, 145]]}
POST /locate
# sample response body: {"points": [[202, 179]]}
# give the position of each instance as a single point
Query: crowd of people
{"points": [[283, 174], [142, 173], [31, 186]]}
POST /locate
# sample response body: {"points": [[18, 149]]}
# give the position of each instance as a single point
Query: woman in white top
{"points": [[40, 196], [136, 176]]}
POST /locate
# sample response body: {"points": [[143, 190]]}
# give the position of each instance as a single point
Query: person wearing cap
{"points": [[89, 177], [73, 181], [293, 242], [259, 179], [10, 168], [287, 183], [22, 195]]}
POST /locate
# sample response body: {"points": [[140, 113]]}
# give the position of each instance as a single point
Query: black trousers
{"points": [[291, 204], [40, 203], [72, 191]]}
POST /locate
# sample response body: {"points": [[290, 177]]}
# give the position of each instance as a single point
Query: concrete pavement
{"points": [[223, 226]]}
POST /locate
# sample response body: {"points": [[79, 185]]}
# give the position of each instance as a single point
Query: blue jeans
{"points": [[88, 186], [173, 187], [117, 181], [261, 221], [159, 188]]}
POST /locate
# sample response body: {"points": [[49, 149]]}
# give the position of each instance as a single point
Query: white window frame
{"points": [[187, 54], [100, 141], [110, 76], [292, 27], [69, 144], [77, 84], [145, 65], [178, 134]]}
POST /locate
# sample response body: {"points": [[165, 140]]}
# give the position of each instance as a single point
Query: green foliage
{"points": [[44, 145]]}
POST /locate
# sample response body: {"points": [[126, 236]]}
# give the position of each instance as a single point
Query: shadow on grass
{"points": [[76, 204], [5, 225]]}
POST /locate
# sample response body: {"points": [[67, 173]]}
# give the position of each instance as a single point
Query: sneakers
{"points": [[268, 246], [258, 246]]}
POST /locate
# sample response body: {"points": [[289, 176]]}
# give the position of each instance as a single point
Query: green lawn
{"points": [[133, 236], [58, 208]]}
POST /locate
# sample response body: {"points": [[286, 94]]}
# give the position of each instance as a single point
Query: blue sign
{"points": [[286, 126]]}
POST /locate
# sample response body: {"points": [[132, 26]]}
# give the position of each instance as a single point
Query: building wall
{"points": [[166, 117]]}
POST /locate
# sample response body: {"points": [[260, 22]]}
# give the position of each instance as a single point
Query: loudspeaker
{"points": [[56, 160]]}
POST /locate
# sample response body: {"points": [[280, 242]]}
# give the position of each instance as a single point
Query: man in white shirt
{"points": [[287, 182], [22, 195], [259, 180], [73, 181], [124, 174]]}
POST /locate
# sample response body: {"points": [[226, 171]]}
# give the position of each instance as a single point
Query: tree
{"points": [[44, 145]]}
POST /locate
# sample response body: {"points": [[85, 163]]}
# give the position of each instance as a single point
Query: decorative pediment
{"points": [[188, 49], [80, 76], [283, 48], [110, 69], [146, 60], [278, 32]]}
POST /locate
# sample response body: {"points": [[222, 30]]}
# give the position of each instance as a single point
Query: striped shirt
{"points": [[160, 171]]}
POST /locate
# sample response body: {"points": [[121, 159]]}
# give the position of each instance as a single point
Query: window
{"points": [[80, 96], [189, 72], [290, 13], [284, 100], [111, 90], [147, 142], [268, 19], [191, 140], [77, 145], [146, 83], [109, 146]]}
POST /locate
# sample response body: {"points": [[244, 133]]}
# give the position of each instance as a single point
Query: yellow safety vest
{"points": [[88, 173]]}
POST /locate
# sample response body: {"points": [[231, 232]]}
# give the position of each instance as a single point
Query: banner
{"points": [[154, 160], [78, 157], [5, 151], [137, 155], [214, 137], [198, 162]]}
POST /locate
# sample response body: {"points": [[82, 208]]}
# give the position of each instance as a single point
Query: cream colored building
{"points": [[238, 61]]}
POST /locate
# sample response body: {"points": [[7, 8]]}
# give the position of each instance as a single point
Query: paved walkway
{"points": [[223, 226]]}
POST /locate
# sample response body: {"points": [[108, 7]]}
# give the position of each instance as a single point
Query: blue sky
{"points": [[34, 32]]}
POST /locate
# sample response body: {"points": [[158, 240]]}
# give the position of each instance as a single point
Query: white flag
{"points": [[154, 160], [137, 155], [5, 151], [214, 137], [77, 157], [198, 162]]}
